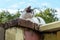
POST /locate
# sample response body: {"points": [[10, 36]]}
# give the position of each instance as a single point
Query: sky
{"points": [[13, 5], [20, 4]]}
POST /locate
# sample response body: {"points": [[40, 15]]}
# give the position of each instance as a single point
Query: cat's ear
{"points": [[28, 7]]}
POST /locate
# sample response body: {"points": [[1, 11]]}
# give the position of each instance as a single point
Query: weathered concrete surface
{"points": [[20, 23]]}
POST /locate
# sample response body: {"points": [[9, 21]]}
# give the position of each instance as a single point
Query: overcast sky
{"points": [[13, 5]]}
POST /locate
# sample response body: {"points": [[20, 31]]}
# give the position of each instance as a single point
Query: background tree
{"points": [[48, 15], [6, 16], [16, 15]]}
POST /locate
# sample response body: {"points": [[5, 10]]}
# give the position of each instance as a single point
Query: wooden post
{"points": [[2, 33], [14, 34], [58, 35], [50, 36]]}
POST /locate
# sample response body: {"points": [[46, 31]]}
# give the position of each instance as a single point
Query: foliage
{"points": [[48, 15], [6, 16]]}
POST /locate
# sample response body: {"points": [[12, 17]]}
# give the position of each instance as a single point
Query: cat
{"points": [[28, 14]]}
